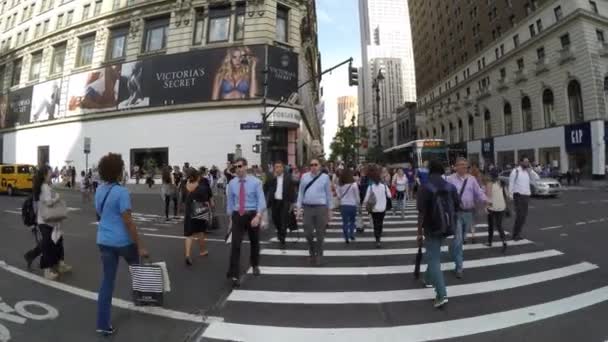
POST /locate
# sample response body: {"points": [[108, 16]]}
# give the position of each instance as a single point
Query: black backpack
{"points": [[443, 211], [28, 214]]}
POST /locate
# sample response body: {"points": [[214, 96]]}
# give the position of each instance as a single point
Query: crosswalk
{"points": [[362, 293]]}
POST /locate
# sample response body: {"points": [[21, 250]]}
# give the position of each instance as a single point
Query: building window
{"points": [[471, 128], [452, 133], [503, 73], [16, 76], [520, 64], [502, 50], [59, 21], [45, 26], [540, 53], [460, 131], [526, 113], [199, 27], [487, 120], [532, 30], [2, 75], [58, 59], [239, 25], [558, 13], [516, 40], [86, 11], [565, 40], [548, 109], [35, 66], [575, 101], [539, 25], [155, 35], [593, 6], [69, 18], [219, 24], [600, 35], [508, 118], [37, 30], [118, 43], [97, 8], [86, 46], [282, 23]]}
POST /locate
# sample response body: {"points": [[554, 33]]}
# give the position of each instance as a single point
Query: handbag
{"points": [[56, 212], [201, 211], [389, 200], [147, 284]]}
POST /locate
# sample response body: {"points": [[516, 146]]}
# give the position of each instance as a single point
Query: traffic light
{"points": [[256, 148], [353, 75]]}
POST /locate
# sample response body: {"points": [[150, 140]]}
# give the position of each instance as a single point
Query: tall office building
{"points": [[385, 33], [347, 110], [447, 34]]}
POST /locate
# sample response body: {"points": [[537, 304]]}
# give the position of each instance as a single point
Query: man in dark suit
{"points": [[280, 192]]}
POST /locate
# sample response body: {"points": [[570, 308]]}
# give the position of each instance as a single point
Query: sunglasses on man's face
{"points": [[239, 166]]}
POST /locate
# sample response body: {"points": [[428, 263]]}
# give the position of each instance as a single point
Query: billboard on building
{"points": [[19, 106], [46, 99], [232, 73], [131, 92], [93, 91], [282, 72]]}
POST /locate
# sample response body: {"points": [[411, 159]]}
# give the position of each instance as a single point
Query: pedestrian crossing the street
{"points": [[363, 293]]}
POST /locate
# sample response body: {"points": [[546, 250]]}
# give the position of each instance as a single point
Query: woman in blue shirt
{"points": [[116, 234]]}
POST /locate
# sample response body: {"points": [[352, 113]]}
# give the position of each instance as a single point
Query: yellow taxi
{"points": [[16, 178]]}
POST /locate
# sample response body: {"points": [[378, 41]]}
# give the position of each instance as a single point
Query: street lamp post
{"points": [[376, 86]]}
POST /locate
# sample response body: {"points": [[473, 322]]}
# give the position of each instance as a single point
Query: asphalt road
{"points": [[551, 287]]}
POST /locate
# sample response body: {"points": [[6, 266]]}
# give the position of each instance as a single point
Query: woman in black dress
{"points": [[198, 192]]}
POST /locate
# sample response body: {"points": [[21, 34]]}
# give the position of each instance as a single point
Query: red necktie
{"points": [[242, 198]]}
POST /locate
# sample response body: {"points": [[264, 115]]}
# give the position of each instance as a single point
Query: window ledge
{"points": [[81, 68], [114, 61], [284, 44], [152, 53]]}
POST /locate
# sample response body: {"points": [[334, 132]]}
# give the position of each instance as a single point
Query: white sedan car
{"points": [[543, 186]]}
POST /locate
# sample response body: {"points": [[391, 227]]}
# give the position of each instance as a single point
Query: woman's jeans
{"points": [[109, 260], [168, 199], [349, 215], [433, 275]]}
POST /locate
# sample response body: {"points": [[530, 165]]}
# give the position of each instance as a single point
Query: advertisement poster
{"points": [[93, 91], [19, 106], [282, 72], [46, 101], [209, 75], [4, 111], [131, 88]]}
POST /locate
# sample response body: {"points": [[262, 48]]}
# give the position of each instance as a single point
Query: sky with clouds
{"points": [[339, 39]]}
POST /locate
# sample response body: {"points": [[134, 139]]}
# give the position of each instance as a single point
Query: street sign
{"points": [[263, 137], [87, 145], [251, 125]]}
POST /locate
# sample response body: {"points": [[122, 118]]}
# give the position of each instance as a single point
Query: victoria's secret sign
{"points": [[180, 79]]}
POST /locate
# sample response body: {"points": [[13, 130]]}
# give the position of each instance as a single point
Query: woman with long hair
{"points": [[400, 183], [380, 191], [51, 243], [348, 194], [236, 78], [168, 192], [199, 198]]}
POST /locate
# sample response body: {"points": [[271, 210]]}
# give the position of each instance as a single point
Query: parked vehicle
{"points": [[16, 178], [544, 186]]}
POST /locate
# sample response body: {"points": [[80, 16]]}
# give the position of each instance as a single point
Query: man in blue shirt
{"points": [[314, 199], [245, 206]]}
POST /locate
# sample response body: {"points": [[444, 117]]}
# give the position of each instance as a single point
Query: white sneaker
{"points": [[64, 268], [50, 274], [439, 302]]}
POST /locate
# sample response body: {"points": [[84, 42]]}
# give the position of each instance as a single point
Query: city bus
{"points": [[416, 152]]}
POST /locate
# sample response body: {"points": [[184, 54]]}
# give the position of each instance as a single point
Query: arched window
{"points": [[471, 128], [428, 134], [508, 117], [443, 133], [434, 132], [526, 113], [452, 133], [548, 108], [460, 131], [406, 132], [575, 100], [487, 124]]}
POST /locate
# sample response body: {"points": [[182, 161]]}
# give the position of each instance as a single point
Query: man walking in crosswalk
{"points": [[433, 229], [314, 203], [519, 191]]}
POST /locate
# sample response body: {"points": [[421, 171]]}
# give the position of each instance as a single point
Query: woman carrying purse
{"points": [[198, 213], [496, 194], [51, 243]]}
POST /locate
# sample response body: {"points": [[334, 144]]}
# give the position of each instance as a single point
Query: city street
{"points": [[552, 286]]}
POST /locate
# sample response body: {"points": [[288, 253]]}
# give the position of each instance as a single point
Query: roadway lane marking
{"points": [[13, 212], [117, 302], [410, 333], [179, 237], [335, 220], [378, 297], [361, 239], [376, 270], [551, 228], [580, 223], [148, 229], [381, 252]]}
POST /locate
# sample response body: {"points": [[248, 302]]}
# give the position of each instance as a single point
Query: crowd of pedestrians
{"points": [[448, 207]]}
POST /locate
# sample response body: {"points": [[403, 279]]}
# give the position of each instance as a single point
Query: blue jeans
{"points": [[349, 215], [465, 219], [109, 260], [433, 274]]}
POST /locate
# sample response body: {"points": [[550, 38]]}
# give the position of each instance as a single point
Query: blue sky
{"points": [[338, 24]]}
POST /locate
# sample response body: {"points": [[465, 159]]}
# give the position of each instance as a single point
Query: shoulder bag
{"points": [[56, 212], [103, 203]]}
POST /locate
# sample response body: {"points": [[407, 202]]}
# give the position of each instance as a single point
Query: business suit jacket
{"points": [[289, 197]]}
